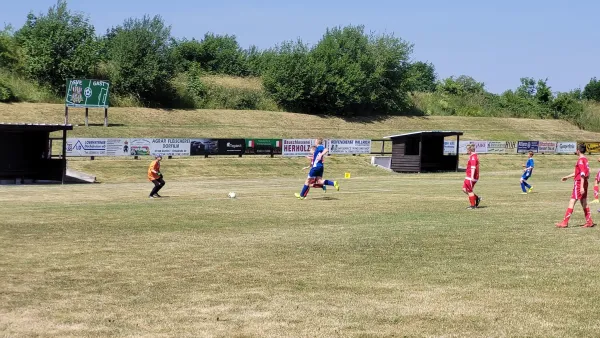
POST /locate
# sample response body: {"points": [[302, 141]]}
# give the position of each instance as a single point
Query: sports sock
{"points": [[328, 182], [596, 191], [523, 186], [472, 200], [588, 215], [527, 185], [568, 215], [304, 191]]}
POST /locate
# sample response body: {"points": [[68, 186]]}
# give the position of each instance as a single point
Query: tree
{"points": [[461, 85], [139, 59], [592, 90], [219, 54], [57, 46], [9, 52], [527, 88], [421, 77], [543, 92]]}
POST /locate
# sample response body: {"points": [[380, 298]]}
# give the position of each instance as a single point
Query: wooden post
{"points": [[64, 155], [420, 152], [86, 117], [92, 158], [66, 115], [457, 147], [272, 152], [106, 117], [135, 157], [382, 147], [169, 157]]}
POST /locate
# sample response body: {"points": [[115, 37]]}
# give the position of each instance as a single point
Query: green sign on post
{"points": [[86, 93]]}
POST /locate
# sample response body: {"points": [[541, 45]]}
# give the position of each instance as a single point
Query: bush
{"points": [[6, 94]]}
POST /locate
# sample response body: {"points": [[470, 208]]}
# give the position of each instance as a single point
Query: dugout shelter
{"points": [[26, 152], [424, 151]]}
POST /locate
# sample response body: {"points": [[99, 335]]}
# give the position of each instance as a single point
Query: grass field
{"points": [[388, 255], [143, 122]]}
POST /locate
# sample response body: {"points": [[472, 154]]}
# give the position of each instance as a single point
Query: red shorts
{"points": [[577, 190], [468, 185]]}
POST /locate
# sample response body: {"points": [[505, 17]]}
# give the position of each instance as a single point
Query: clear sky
{"points": [[496, 42]]}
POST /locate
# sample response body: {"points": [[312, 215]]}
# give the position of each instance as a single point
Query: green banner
{"points": [[263, 146], [87, 93]]}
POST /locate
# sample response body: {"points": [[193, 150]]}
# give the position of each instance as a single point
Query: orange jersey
{"points": [[473, 168], [155, 165]]}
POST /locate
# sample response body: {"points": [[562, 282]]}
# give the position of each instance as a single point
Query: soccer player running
{"points": [[310, 156], [527, 174], [472, 177], [580, 177], [596, 188], [155, 176], [315, 175]]}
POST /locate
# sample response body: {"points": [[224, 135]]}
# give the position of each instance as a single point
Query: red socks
{"points": [[596, 192], [568, 215], [472, 200], [588, 215]]}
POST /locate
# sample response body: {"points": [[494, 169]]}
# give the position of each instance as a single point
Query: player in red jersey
{"points": [[580, 177], [472, 177], [596, 188]]}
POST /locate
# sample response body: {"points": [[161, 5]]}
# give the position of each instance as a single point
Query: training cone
{"points": [[347, 175]]}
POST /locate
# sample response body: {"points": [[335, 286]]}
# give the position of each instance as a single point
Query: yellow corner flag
{"points": [[347, 175]]}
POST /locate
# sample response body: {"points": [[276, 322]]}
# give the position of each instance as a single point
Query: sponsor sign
{"points": [[510, 147], [297, 147], [496, 147], [527, 146], [231, 146], [566, 147], [86, 147], [449, 147], [140, 146], [117, 146], [591, 147], [263, 146], [480, 146], [170, 146], [204, 146], [349, 146], [547, 147]]}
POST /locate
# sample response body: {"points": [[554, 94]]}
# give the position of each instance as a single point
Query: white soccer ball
{"points": [[231, 195]]}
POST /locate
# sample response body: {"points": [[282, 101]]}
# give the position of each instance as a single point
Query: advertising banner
{"points": [[496, 147], [480, 146], [350, 146], [203, 146], [592, 147], [170, 146], [86, 147], [140, 146], [231, 146], [527, 146], [117, 146], [566, 147], [547, 147], [449, 147], [297, 147], [263, 146], [510, 147]]}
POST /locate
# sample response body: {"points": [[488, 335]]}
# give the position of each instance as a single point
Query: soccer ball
{"points": [[231, 195]]}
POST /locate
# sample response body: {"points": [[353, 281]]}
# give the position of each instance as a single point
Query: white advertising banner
{"points": [[117, 146], [140, 146], [345, 147], [547, 147], [510, 147], [449, 147], [170, 146], [496, 147], [86, 147], [480, 146], [566, 147], [297, 147]]}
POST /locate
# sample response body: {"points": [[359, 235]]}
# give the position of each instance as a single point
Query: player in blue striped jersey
{"points": [[315, 176], [527, 174]]}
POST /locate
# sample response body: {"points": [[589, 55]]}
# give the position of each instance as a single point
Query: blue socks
{"points": [[523, 185], [304, 191], [328, 182]]}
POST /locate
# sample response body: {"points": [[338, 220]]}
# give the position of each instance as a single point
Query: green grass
{"points": [[388, 255], [143, 122]]}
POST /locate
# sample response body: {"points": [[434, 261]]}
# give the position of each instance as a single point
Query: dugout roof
{"points": [[428, 133], [34, 127]]}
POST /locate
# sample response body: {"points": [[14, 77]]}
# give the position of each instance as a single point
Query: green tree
{"points": [[257, 61], [421, 77], [592, 90], [543, 92], [9, 50], [57, 46], [461, 85], [220, 54], [527, 88], [139, 59]]}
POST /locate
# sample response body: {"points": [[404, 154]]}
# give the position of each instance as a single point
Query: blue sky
{"points": [[495, 42]]}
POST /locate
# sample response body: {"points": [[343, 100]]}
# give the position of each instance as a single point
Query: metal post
{"points": [[64, 155], [457, 147], [86, 117], [66, 115], [382, 147], [106, 117]]}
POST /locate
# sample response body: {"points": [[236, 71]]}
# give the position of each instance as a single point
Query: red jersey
{"points": [[582, 169], [473, 168]]}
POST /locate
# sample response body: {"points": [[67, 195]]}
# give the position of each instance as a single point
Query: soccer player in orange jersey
{"points": [[580, 187], [472, 177], [155, 176]]}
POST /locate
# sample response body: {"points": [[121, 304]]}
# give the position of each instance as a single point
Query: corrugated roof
{"points": [[38, 126]]}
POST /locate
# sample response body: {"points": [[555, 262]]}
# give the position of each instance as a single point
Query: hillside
{"points": [[144, 122]]}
